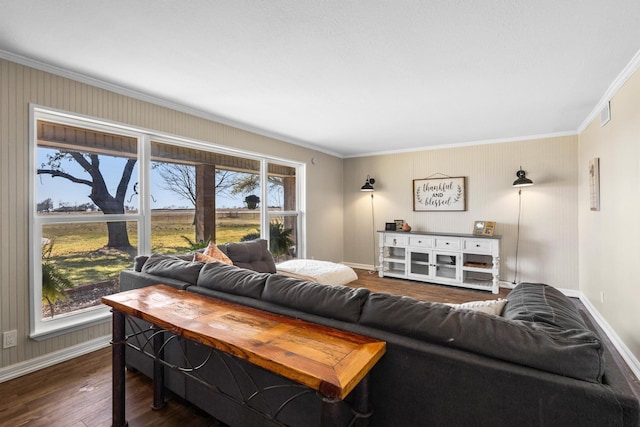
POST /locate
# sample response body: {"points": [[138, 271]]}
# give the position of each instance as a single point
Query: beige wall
{"points": [[20, 85], [548, 231], [609, 250]]}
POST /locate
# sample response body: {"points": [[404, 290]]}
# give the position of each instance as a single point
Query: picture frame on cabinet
{"points": [[484, 228], [390, 226], [478, 227]]}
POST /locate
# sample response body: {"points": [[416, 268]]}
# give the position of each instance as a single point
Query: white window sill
{"points": [[60, 325]]}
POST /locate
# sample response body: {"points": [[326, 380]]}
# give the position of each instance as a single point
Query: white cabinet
{"points": [[393, 254], [462, 260]]}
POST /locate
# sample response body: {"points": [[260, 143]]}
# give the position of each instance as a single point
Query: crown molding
{"points": [[465, 144], [141, 96], [622, 78]]}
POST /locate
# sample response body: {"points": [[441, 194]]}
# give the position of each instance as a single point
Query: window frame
{"points": [[40, 328]]}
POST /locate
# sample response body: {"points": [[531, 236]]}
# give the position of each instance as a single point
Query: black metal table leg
{"points": [[330, 411], [361, 405], [158, 369], [118, 370]]}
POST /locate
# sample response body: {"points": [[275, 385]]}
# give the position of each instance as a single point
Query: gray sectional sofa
{"points": [[538, 364]]}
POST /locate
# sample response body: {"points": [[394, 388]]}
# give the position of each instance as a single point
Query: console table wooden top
{"points": [[326, 359]]}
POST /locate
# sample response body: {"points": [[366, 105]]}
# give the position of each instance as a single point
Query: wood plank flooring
{"points": [[77, 393], [421, 291]]}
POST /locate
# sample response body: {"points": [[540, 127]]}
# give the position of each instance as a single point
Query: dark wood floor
{"points": [[421, 291], [77, 393]]}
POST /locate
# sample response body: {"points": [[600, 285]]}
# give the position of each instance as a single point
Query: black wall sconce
{"points": [[368, 184], [522, 180]]}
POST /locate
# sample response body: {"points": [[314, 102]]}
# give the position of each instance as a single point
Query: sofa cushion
{"points": [[536, 302], [335, 302], [575, 353], [253, 255], [172, 267], [232, 279]]}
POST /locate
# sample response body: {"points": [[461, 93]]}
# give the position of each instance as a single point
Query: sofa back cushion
{"points": [[173, 267], [335, 302], [232, 279], [575, 353], [253, 255], [536, 302]]}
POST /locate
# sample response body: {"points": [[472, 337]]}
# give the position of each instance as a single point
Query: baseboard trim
{"points": [[625, 353], [50, 359], [361, 266]]}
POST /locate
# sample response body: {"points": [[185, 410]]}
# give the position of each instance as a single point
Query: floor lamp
{"points": [[522, 181], [368, 187]]}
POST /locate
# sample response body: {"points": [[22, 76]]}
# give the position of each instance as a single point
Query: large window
{"points": [[104, 193]]}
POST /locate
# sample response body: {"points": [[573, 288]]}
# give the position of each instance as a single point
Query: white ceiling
{"points": [[345, 76]]}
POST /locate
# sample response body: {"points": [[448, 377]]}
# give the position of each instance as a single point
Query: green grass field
{"points": [[78, 249]]}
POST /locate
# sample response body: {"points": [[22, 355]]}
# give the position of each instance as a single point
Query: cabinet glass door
{"points": [[447, 265], [420, 264]]}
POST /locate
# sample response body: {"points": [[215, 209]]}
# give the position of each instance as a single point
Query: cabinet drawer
{"points": [[477, 245], [395, 240], [421, 242], [447, 244]]}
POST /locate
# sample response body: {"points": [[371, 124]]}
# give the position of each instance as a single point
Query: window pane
{"points": [[170, 229], [80, 170], [77, 266], [283, 237], [242, 223], [282, 188], [198, 196]]}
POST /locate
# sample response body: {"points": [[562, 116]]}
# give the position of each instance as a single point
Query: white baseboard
{"points": [[50, 359], [627, 355], [360, 266]]}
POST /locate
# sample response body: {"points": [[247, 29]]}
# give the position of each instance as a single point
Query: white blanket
{"points": [[325, 272]]}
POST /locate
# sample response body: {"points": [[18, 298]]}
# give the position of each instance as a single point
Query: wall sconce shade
{"points": [[368, 184], [522, 180]]}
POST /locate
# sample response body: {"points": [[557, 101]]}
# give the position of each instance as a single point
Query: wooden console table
{"points": [[331, 361]]}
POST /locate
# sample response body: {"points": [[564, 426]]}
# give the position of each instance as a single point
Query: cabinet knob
{"points": [[477, 245], [447, 243]]}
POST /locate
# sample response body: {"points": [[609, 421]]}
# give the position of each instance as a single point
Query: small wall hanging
{"points": [[439, 194], [594, 184]]}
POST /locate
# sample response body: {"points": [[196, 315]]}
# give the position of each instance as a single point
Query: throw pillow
{"points": [[213, 253], [490, 307], [200, 257]]}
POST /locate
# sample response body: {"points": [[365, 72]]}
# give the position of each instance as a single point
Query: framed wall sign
{"points": [[439, 194]]}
